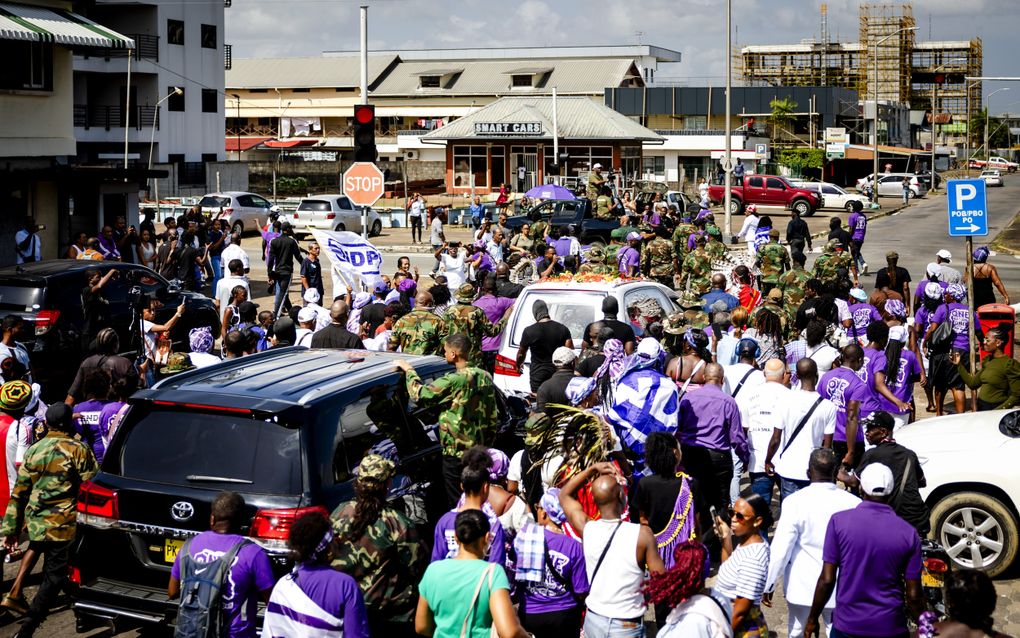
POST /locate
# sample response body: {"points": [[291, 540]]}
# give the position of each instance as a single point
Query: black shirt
{"points": [[591, 365], [185, 259], [284, 252], [374, 314], [655, 498], [542, 338], [118, 367], [843, 237], [336, 336], [798, 229], [622, 331], [906, 498], [882, 279], [506, 288], [312, 271], [554, 390]]}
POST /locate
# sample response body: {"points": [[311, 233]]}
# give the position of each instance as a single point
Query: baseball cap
{"points": [[382, 286], [632, 236], [877, 480], [858, 293], [597, 165], [774, 232], [312, 296], [563, 356], [945, 254], [879, 419], [776, 294], [892, 254], [305, 315]]}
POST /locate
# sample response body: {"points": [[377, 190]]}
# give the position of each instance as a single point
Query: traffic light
{"points": [[364, 133]]}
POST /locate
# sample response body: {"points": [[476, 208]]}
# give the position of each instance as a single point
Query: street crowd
{"points": [[652, 461]]}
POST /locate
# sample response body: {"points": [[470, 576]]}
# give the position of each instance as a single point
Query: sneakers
{"points": [[864, 271]]}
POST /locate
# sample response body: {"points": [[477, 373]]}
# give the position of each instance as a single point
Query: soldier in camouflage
{"points": [[604, 203], [44, 500], [683, 230], [378, 546], [596, 264], [694, 314], [772, 261], [831, 262], [420, 331], [774, 304], [793, 281], [659, 257], [596, 181], [714, 246], [467, 400], [697, 269], [471, 320]]}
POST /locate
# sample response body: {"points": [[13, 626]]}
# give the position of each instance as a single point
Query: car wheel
{"points": [[237, 228], [803, 207], [736, 206], [849, 206], [340, 228], [977, 531], [376, 228]]}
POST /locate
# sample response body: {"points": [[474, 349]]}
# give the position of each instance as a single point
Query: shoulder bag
{"points": [[487, 574], [800, 426]]}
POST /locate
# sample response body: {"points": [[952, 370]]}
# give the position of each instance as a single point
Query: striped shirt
{"points": [[744, 573]]}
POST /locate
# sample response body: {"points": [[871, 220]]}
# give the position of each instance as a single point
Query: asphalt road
{"points": [[916, 233]]}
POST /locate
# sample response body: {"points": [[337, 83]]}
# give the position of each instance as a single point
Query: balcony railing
{"points": [[90, 116], [692, 131], [228, 55], [146, 48]]}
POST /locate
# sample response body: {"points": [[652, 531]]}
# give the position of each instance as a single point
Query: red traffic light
{"points": [[364, 113], [940, 78]]}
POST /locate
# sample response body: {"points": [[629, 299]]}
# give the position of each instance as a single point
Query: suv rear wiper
{"points": [[216, 479]]}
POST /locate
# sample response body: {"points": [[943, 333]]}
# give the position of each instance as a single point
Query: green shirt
{"points": [[467, 402], [998, 380], [449, 587]]}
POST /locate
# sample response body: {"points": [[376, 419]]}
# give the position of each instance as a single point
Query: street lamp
{"points": [[988, 114], [874, 174], [152, 139], [934, 92]]}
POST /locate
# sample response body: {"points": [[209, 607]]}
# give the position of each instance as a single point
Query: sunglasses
{"points": [[735, 515]]}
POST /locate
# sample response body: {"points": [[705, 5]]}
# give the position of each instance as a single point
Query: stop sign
{"points": [[363, 183]]}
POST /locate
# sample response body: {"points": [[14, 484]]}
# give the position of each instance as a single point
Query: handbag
{"points": [[487, 574], [942, 337]]}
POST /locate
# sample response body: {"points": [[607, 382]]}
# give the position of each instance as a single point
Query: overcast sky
{"points": [[271, 28]]}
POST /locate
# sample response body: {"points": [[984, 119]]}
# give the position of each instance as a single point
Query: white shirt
{"points": [[843, 308], [19, 438], [823, 355], [699, 617], [436, 232], [799, 538], [454, 269], [762, 412], [322, 318], [750, 227], [949, 274], [548, 473], [224, 287], [732, 374], [793, 463], [203, 359], [230, 253], [35, 247], [19, 352], [303, 337], [150, 339], [703, 190], [495, 251], [616, 588], [416, 208]]}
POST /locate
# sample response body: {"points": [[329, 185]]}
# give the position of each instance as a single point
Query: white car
{"points": [[891, 184], [331, 212], [973, 485], [238, 209], [994, 161], [992, 177], [573, 304], [833, 196]]}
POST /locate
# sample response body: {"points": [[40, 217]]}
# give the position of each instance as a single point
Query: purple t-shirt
{"points": [[861, 314], [106, 417], [88, 425], [919, 291], [249, 575], [957, 314], [337, 594], [875, 551], [494, 308], [842, 385], [562, 246], [858, 225], [874, 362], [903, 385], [628, 258], [445, 542], [567, 558]]}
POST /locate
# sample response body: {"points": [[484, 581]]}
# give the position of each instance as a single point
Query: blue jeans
{"points": [[906, 195], [282, 292], [762, 484], [790, 486], [738, 471], [217, 273], [596, 626]]}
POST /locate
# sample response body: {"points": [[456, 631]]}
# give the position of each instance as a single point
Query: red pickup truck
{"points": [[767, 190]]}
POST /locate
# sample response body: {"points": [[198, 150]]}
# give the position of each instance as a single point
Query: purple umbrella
{"points": [[549, 191]]}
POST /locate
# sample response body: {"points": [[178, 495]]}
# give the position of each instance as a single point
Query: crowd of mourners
{"points": [[659, 446]]}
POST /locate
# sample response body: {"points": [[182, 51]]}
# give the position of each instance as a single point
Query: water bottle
{"points": [[11, 557]]}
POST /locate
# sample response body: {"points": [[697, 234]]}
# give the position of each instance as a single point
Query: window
{"points": [[208, 36], [521, 80], [468, 164], [575, 310], [28, 66], [429, 82], [175, 102], [755, 182], [695, 122], [301, 90], [208, 157], [498, 171], [175, 158], [830, 190], [772, 182], [175, 32], [210, 101], [637, 295], [653, 168]]}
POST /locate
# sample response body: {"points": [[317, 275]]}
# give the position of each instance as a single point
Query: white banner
{"points": [[355, 261]]}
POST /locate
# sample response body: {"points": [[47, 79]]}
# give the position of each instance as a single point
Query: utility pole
{"points": [[728, 158], [364, 54]]}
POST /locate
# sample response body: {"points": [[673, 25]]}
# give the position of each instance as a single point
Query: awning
{"points": [[861, 152], [245, 143], [293, 143], [41, 24]]}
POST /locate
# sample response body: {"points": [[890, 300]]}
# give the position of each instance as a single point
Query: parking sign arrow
{"points": [[973, 228]]}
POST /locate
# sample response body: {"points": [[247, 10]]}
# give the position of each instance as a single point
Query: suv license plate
{"points": [[170, 549], [931, 580]]}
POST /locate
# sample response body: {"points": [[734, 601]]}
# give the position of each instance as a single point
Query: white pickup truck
{"points": [[1000, 163]]}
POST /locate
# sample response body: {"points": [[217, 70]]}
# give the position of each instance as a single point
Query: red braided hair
{"points": [[683, 580]]}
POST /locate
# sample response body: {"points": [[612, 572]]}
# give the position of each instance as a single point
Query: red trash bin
{"points": [[997, 314]]}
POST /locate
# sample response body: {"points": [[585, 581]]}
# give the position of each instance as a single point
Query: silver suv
{"points": [[238, 209]]}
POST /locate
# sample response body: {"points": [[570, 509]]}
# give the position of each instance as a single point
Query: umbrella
{"points": [[549, 191]]}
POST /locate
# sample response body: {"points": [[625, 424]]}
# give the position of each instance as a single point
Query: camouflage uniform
{"points": [[538, 230], [680, 235], [471, 322], [596, 264], [828, 266], [595, 184], [694, 314], [792, 284], [468, 401], [602, 206], [715, 249], [784, 318], [420, 331], [657, 258], [773, 260], [45, 494], [697, 270]]}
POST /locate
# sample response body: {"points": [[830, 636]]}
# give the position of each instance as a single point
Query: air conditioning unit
{"points": [[411, 155]]}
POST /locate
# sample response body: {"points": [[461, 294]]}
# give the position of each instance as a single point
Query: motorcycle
{"points": [[935, 566]]}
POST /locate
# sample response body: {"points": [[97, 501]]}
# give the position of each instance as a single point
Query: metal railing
{"points": [[146, 48], [688, 131], [415, 132], [91, 116], [228, 54]]}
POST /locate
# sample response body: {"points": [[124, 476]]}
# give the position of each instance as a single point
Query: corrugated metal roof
{"points": [[488, 77], [578, 117], [45, 24], [310, 72], [440, 72]]}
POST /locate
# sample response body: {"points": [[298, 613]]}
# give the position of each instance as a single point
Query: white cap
{"points": [[563, 356], [597, 165], [858, 293], [877, 480], [632, 236], [305, 315], [944, 254], [312, 295]]}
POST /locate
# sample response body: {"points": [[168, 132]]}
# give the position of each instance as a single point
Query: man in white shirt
{"points": [[800, 537], [495, 246], [322, 317], [739, 379], [809, 423], [226, 285], [234, 251], [947, 273], [761, 413]]}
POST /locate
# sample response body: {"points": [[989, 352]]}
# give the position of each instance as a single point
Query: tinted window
{"points": [[259, 202], [772, 182], [344, 203], [212, 202], [575, 310], [189, 449], [754, 181], [20, 297], [830, 190], [314, 205], [245, 200]]}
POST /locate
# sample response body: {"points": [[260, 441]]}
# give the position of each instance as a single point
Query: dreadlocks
{"points": [[685, 579]]}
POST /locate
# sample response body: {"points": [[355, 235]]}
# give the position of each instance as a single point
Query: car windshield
{"points": [[573, 308], [22, 298], [210, 201], [187, 448], [314, 205]]}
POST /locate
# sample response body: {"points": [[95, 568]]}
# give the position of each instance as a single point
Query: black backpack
{"points": [[200, 614]]}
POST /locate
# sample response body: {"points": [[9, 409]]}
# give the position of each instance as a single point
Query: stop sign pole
{"points": [[363, 185]]}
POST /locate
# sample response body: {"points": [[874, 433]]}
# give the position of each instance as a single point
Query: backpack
{"points": [[200, 614]]}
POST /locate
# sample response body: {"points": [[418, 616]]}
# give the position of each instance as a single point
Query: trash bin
{"points": [[996, 314]]}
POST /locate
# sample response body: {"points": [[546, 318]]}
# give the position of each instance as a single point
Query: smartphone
{"points": [[714, 513]]}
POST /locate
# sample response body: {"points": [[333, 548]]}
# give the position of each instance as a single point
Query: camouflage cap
{"points": [[15, 395], [596, 254], [689, 300], [675, 324], [466, 293], [177, 362], [833, 246], [713, 231], [376, 468]]}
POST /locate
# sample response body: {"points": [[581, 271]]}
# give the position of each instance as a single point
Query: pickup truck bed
{"points": [[766, 190]]}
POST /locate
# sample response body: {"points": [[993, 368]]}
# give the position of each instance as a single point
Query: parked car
{"points": [[992, 177], [296, 422], [973, 488], [1000, 163], [240, 210], [573, 304], [767, 190], [47, 294], [676, 201], [924, 178], [331, 212], [561, 213], [833, 196], [891, 184]]}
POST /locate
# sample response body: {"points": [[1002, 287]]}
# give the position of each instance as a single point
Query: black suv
{"points": [[285, 428], [48, 295]]}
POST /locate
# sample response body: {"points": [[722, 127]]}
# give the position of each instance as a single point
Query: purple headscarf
{"points": [[500, 465], [615, 362], [896, 308], [981, 254]]}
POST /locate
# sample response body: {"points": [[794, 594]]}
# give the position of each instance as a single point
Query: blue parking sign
{"points": [[968, 207]]}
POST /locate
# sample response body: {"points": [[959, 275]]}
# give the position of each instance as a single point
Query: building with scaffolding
{"points": [[888, 60]]}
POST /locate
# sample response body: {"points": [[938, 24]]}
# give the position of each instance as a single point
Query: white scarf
{"points": [[292, 613]]}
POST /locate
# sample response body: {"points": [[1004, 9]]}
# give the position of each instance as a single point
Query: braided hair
{"points": [[369, 500], [684, 579], [970, 599]]}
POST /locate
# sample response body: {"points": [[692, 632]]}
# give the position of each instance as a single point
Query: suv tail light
{"points": [[272, 527], [506, 366], [44, 320], [295, 215], [936, 565], [97, 505]]}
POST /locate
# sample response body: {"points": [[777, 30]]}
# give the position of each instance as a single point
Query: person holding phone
{"points": [[745, 564]]}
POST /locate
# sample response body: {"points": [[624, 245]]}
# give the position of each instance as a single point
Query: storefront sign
{"points": [[508, 128]]}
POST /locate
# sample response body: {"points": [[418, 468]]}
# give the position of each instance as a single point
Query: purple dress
{"points": [[445, 541]]}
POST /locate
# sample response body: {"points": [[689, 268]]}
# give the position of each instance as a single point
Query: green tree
{"points": [[782, 114], [998, 132], [799, 159]]}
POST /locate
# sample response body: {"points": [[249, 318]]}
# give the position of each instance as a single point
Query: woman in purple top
{"points": [[873, 372], [494, 308], [474, 480], [854, 402], [629, 257], [87, 413], [932, 273], [944, 375], [861, 315]]}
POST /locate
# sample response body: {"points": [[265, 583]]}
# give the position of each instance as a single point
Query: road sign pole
{"points": [[971, 309], [364, 222]]}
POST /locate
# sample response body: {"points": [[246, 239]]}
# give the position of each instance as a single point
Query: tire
{"points": [[910, 193], [237, 228], [376, 228], [849, 207], [803, 207], [736, 206], [340, 228], [970, 511]]}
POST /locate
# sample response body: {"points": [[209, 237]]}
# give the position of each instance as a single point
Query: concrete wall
{"points": [[325, 176], [35, 124], [233, 176]]}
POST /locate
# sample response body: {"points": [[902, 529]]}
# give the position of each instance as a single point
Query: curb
{"points": [[879, 215]]}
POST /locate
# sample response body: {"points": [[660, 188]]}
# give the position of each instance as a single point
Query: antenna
{"points": [[638, 35]]}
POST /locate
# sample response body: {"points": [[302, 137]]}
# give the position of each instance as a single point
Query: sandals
{"points": [[18, 605]]}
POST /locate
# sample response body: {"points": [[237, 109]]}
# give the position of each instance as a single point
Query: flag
{"points": [[354, 261]]}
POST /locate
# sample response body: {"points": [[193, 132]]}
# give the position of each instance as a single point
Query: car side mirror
{"points": [[1009, 424], [173, 289]]}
